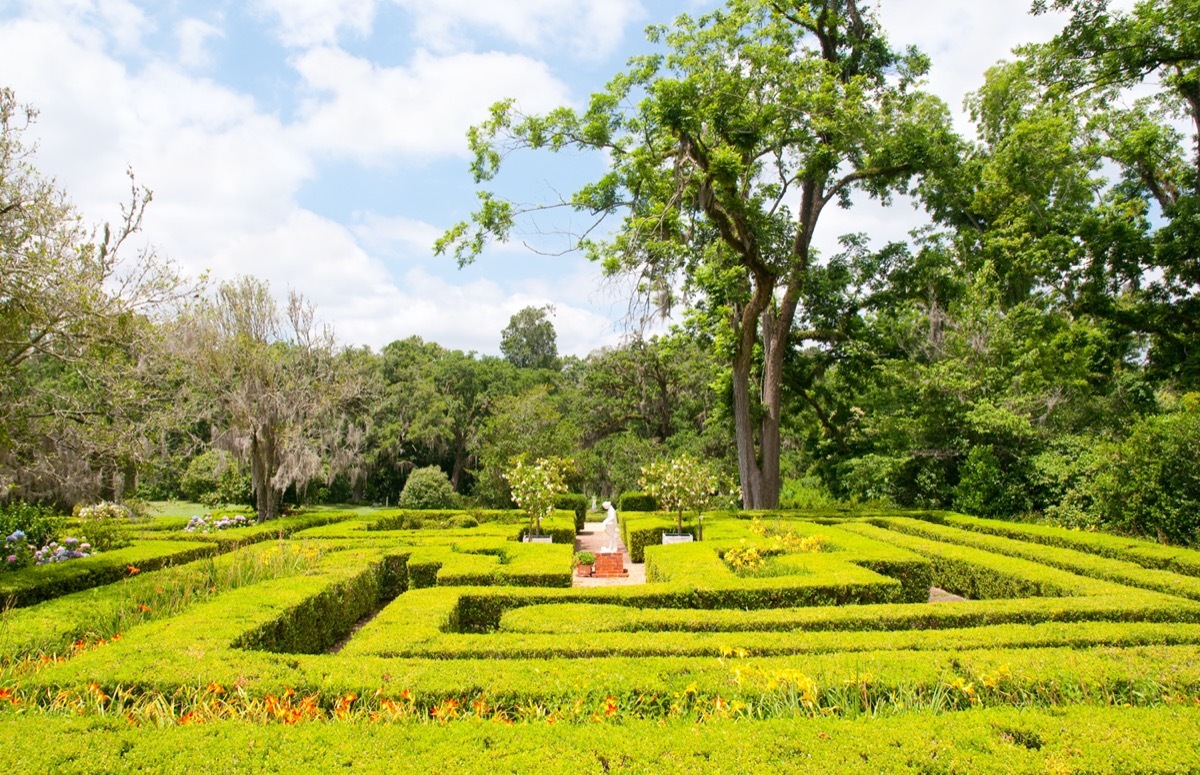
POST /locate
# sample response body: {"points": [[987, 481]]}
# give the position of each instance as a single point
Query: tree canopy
{"points": [[724, 152]]}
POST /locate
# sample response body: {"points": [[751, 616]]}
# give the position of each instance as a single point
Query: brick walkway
{"points": [[590, 540]]}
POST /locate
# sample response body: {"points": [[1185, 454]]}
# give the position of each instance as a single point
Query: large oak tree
{"points": [[724, 150]]}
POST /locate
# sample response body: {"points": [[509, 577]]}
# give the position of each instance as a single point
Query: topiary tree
{"points": [[534, 487], [682, 483], [427, 488]]}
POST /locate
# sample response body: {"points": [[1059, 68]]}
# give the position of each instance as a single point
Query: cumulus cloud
{"points": [[420, 110], [229, 174], [305, 23], [467, 315], [590, 28], [194, 36]]}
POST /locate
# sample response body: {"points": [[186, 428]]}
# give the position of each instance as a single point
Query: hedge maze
{"points": [[443, 633]]}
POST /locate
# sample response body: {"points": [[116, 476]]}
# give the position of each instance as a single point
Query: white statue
{"points": [[610, 529]]}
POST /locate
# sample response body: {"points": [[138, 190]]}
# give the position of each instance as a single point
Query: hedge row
{"points": [[576, 504], [101, 612], [1084, 563], [847, 556], [978, 574], [560, 525], [994, 740], [316, 623], [253, 533], [640, 529], [761, 644], [192, 650], [574, 617], [1144, 553], [441, 519], [483, 563], [45, 582]]}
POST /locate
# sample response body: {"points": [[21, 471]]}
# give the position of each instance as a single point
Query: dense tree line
{"points": [[1034, 351]]}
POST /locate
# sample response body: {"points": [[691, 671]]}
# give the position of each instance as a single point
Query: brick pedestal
{"points": [[610, 565]]}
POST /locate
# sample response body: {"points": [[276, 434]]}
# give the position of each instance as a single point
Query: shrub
{"points": [[104, 525], [39, 524], [571, 501], [1148, 484], [427, 488], [215, 477], [585, 558], [806, 493], [637, 501]]}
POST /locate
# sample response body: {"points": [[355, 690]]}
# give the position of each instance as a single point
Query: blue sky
{"points": [[320, 144]]}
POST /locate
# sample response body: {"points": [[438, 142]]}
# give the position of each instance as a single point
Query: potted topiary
{"points": [[679, 484], [584, 563]]}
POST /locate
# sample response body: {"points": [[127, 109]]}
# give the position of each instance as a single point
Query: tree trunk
{"points": [[262, 460], [743, 423]]}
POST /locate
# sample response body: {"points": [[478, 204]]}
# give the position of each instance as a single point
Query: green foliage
{"points": [[574, 502], [637, 501], [1147, 484], [585, 558], [806, 493], [529, 340], [535, 486], [427, 488], [214, 477], [40, 524]]}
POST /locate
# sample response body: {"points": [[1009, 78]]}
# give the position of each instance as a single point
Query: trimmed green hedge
{"points": [[637, 501], [44, 582], [234, 538], [639, 530], [574, 617], [560, 525], [573, 502], [443, 519], [100, 612], [995, 741], [316, 623], [1107, 568], [1144, 553], [975, 573]]}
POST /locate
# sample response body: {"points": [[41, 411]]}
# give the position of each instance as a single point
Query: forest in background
{"points": [[1034, 353]]}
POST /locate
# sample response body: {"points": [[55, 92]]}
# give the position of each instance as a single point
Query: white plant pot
{"points": [[675, 538], [538, 539]]}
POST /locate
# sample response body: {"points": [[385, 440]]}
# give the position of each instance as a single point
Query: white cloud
{"points": [[467, 316], [305, 23], [590, 28], [967, 39], [392, 234], [194, 36], [217, 165], [418, 111]]}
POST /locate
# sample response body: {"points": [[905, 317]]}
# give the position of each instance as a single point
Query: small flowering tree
{"points": [[680, 484], [534, 486]]}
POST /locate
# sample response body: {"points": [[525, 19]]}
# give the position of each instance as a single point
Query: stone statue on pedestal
{"points": [[613, 544]]}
